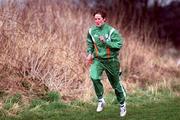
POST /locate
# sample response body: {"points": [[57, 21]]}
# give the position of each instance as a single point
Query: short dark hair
{"points": [[100, 11]]}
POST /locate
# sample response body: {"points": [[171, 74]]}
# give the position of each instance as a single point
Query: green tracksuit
{"points": [[105, 59]]}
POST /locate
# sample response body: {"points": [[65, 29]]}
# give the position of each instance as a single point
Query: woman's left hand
{"points": [[101, 38]]}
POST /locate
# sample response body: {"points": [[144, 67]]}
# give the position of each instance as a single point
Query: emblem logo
{"points": [[95, 35], [106, 36]]}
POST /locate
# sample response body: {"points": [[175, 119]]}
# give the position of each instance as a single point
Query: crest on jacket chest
{"points": [[106, 36], [95, 35]]}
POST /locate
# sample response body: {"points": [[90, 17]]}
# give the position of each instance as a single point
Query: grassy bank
{"points": [[142, 107], [42, 48]]}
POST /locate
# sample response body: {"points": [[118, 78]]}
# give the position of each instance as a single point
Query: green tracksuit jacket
{"points": [[105, 59], [109, 49]]}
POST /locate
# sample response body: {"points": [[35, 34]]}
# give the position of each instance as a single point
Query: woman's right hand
{"points": [[89, 59]]}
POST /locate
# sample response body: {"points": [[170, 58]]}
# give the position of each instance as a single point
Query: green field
{"points": [[40, 109]]}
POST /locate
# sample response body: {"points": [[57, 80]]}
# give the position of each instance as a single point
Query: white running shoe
{"points": [[101, 105], [123, 110]]}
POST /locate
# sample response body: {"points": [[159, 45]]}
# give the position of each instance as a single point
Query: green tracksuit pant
{"points": [[111, 67]]}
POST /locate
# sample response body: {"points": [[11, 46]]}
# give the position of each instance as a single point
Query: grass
{"points": [[168, 110], [140, 106], [12, 100]]}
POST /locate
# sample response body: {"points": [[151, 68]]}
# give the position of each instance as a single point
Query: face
{"points": [[99, 20]]}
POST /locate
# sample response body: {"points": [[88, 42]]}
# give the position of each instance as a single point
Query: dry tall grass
{"points": [[46, 42]]}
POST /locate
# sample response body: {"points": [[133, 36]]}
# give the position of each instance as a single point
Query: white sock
{"points": [[102, 99]]}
